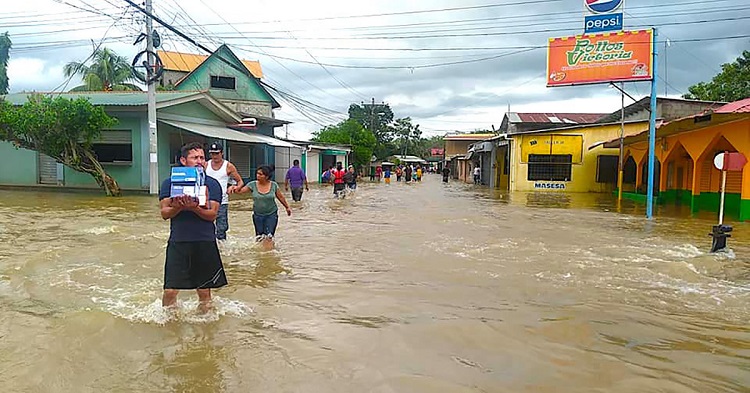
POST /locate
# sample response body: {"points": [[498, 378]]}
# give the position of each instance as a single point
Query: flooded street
{"points": [[402, 288]]}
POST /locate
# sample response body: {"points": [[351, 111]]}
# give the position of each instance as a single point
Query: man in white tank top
{"points": [[222, 170]]}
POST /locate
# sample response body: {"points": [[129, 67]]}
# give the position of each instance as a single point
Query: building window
{"points": [[222, 82], [114, 147], [552, 167], [606, 169]]}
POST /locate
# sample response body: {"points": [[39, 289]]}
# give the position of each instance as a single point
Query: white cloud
{"points": [[462, 96], [26, 73]]}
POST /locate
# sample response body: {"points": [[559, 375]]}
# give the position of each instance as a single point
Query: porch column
{"points": [[696, 191], [745, 196], [638, 175]]}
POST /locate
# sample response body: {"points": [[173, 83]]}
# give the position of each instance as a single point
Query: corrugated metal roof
{"points": [[187, 62], [467, 137], [741, 106], [106, 98], [219, 132], [559, 118]]}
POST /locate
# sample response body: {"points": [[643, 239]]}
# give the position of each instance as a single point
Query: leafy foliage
{"points": [[350, 132], [731, 84], [408, 136], [61, 128], [374, 117], [5, 45], [109, 72]]}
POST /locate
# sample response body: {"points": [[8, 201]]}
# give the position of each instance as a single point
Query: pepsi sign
{"points": [[603, 6], [601, 23]]}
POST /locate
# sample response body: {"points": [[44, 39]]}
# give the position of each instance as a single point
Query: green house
{"points": [[182, 116], [234, 83]]}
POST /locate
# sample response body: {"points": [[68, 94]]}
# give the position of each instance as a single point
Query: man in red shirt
{"points": [[337, 178]]}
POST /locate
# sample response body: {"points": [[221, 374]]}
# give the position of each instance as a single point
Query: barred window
{"points": [[552, 167]]}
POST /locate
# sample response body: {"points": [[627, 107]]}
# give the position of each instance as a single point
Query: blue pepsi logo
{"points": [[603, 6]]}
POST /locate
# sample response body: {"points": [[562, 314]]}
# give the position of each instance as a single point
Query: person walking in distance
{"points": [[477, 175], [337, 178], [265, 211], [192, 258], [350, 179], [296, 177], [446, 174], [224, 172]]}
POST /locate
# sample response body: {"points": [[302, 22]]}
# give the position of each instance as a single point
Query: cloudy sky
{"points": [[451, 65]]}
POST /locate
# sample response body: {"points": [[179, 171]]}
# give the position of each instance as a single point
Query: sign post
{"points": [[725, 162], [652, 135]]}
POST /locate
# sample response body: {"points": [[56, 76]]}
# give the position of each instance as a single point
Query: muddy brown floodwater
{"points": [[402, 288]]}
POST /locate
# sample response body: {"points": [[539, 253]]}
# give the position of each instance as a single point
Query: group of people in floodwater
{"points": [[192, 258]]}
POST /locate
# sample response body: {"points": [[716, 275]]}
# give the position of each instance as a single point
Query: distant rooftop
{"points": [[187, 62], [645, 103], [555, 118], [468, 137], [113, 98]]}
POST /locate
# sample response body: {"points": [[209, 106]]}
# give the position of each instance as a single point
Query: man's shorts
{"points": [[193, 265]]}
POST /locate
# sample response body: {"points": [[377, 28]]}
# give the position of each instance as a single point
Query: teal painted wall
{"points": [[246, 87], [127, 176], [24, 170], [164, 152], [191, 109]]}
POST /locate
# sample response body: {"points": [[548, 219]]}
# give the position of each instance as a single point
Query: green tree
{"points": [[376, 118], [408, 135], [731, 84], [5, 45], [350, 132], [61, 128], [109, 71]]}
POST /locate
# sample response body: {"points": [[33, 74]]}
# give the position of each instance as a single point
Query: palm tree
{"points": [[108, 72]]}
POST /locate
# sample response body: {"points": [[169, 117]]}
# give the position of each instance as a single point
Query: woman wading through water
{"points": [[265, 211]]}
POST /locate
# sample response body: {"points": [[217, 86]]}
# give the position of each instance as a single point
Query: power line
{"points": [[523, 32], [650, 7], [410, 67], [546, 18], [475, 7], [204, 48]]}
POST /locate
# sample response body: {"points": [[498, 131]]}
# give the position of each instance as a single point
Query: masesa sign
{"points": [[600, 58]]}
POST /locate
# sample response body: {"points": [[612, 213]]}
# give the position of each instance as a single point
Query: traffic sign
{"points": [[732, 162]]}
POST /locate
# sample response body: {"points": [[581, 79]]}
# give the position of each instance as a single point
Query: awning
{"points": [[219, 132]]}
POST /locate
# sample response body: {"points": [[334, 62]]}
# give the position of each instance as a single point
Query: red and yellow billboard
{"points": [[600, 58]]}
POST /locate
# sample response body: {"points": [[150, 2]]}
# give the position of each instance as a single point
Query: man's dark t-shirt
{"points": [[350, 177], [187, 226]]}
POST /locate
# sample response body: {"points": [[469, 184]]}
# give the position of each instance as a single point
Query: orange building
{"points": [[684, 170], [456, 148]]}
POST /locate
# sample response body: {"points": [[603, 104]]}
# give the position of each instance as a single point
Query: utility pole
{"points": [[621, 164], [153, 166], [372, 116]]}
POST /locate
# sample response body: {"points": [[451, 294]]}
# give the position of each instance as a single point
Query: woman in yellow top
{"points": [[419, 173]]}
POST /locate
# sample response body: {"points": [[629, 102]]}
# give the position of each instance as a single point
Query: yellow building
{"points": [[560, 159], [684, 170]]}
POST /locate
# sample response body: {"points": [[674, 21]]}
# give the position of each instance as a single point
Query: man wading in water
{"points": [[193, 260], [222, 170]]}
